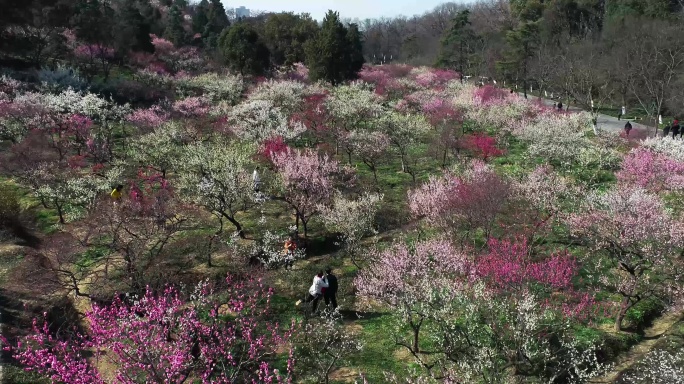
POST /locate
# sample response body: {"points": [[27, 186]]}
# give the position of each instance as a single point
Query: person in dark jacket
{"points": [[666, 130], [330, 294], [675, 129], [628, 128], [681, 129]]}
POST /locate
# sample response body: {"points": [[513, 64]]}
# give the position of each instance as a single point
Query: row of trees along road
{"points": [[593, 53]]}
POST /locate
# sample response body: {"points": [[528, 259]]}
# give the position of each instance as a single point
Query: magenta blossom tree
{"points": [[168, 337], [307, 181], [511, 268]]}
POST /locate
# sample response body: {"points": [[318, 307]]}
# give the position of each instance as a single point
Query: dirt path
{"points": [[651, 337]]}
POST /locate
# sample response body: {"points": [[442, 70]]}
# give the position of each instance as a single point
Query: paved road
{"points": [[604, 122]]}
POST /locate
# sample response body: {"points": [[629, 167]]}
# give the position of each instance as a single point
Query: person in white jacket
{"points": [[256, 180], [316, 290]]}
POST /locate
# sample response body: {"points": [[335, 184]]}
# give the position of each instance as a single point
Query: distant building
{"points": [[241, 12]]}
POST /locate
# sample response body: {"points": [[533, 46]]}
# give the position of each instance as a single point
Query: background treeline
{"points": [[47, 33], [599, 54], [595, 53]]}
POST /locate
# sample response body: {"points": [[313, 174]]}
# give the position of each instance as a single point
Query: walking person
{"points": [[290, 248], [666, 130], [330, 293], [675, 129], [256, 180], [315, 291], [116, 194], [560, 106], [675, 123], [628, 128]]}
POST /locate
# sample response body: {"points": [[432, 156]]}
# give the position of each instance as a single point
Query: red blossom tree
{"points": [[272, 146], [482, 146]]}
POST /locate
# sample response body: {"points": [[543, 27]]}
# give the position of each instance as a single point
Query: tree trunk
{"points": [[60, 213], [238, 226], [624, 306]]}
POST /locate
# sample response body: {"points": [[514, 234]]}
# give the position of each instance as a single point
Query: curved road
{"points": [[604, 122]]}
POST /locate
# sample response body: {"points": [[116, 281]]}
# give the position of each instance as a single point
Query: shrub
{"points": [[61, 78], [9, 206], [643, 312]]}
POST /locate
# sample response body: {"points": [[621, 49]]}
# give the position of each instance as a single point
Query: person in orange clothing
{"points": [[290, 247]]}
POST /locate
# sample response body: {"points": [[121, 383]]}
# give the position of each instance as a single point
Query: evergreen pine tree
{"points": [[217, 22], [243, 50], [522, 43], [175, 32], [354, 51], [456, 49], [327, 54], [133, 30], [201, 17]]}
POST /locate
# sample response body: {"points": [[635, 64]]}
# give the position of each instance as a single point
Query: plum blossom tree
{"points": [[409, 278], [655, 172], [307, 181], [286, 95], [351, 107], [324, 344], [641, 241], [464, 203], [480, 335], [511, 267], [259, 120], [482, 146], [352, 219], [403, 131], [169, 336], [215, 176], [658, 366], [369, 146], [152, 117], [161, 148]]}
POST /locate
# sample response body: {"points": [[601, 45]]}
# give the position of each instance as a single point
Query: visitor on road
{"points": [[315, 291], [666, 130], [256, 180], [628, 128], [290, 248], [330, 293], [560, 106]]}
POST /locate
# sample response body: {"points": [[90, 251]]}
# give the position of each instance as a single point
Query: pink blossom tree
{"points": [[639, 239], [168, 337], [463, 203], [307, 181], [642, 167], [410, 278]]}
